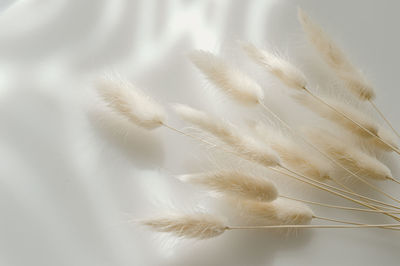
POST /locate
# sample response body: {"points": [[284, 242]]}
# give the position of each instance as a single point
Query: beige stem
{"points": [[338, 207], [348, 118], [394, 180], [313, 183], [334, 220], [327, 156], [383, 226], [297, 178], [212, 145], [346, 222], [384, 118]]}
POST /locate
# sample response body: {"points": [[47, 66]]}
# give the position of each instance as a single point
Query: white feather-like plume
{"points": [[279, 67], [293, 154], [130, 102], [334, 116], [247, 147], [227, 78], [199, 226], [367, 122], [348, 155], [235, 183], [388, 137], [278, 212], [336, 59]]}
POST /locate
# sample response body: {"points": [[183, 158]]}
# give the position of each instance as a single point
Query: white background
{"points": [[71, 177]]}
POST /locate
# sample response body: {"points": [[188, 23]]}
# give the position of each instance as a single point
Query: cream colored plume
{"points": [[227, 78], [330, 114], [354, 114], [278, 212], [200, 226], [247, 147], [130, 102], [388, 137], [336, 59], [294, 155], [348, 155], [235, 183], [279, 67]]}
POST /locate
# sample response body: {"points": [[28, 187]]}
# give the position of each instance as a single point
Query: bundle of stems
{"points": [[310, 158]]}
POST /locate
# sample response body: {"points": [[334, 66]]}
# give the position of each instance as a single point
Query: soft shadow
{"points": [[65, 29], [241, 248], [143, 148], [48, 196]]}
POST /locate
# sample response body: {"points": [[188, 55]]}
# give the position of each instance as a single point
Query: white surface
{"points": [[68, 184]]}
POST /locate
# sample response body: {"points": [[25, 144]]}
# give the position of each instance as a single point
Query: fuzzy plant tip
{"points": [[348, 155], [278, 212], [277, 66], [243, 145], [130, 102], [352, 77], [196, 226], [293, 154], [235, 183], [342, 114], [227, 78]]}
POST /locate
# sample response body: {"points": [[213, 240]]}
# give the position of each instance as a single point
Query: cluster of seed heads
{"points": [[257, 198]]}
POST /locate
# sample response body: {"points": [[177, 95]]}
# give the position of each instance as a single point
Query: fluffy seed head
{"points": [[130, 102], [362, 119], [282, 69], [388, 137], [278, 212], [294, 155], [330, 114], [235, 183], [200, 226], [227, 78], [336, 59], [247, 147], [349, 156]]}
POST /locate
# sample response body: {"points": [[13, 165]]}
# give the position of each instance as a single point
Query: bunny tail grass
{"points": [[335, 117], [353, 159], [353, 78], [351, 119], [279, 67], [332, 189], [336, 59], [279, 211], [235, 183], [319, 185], [293, 154], [227, 78], [316, 184], [130, 102], [330, 159], [349, 156], [198, 226], [246, 147], [385, 141], [289, 173], [372, 134]]}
